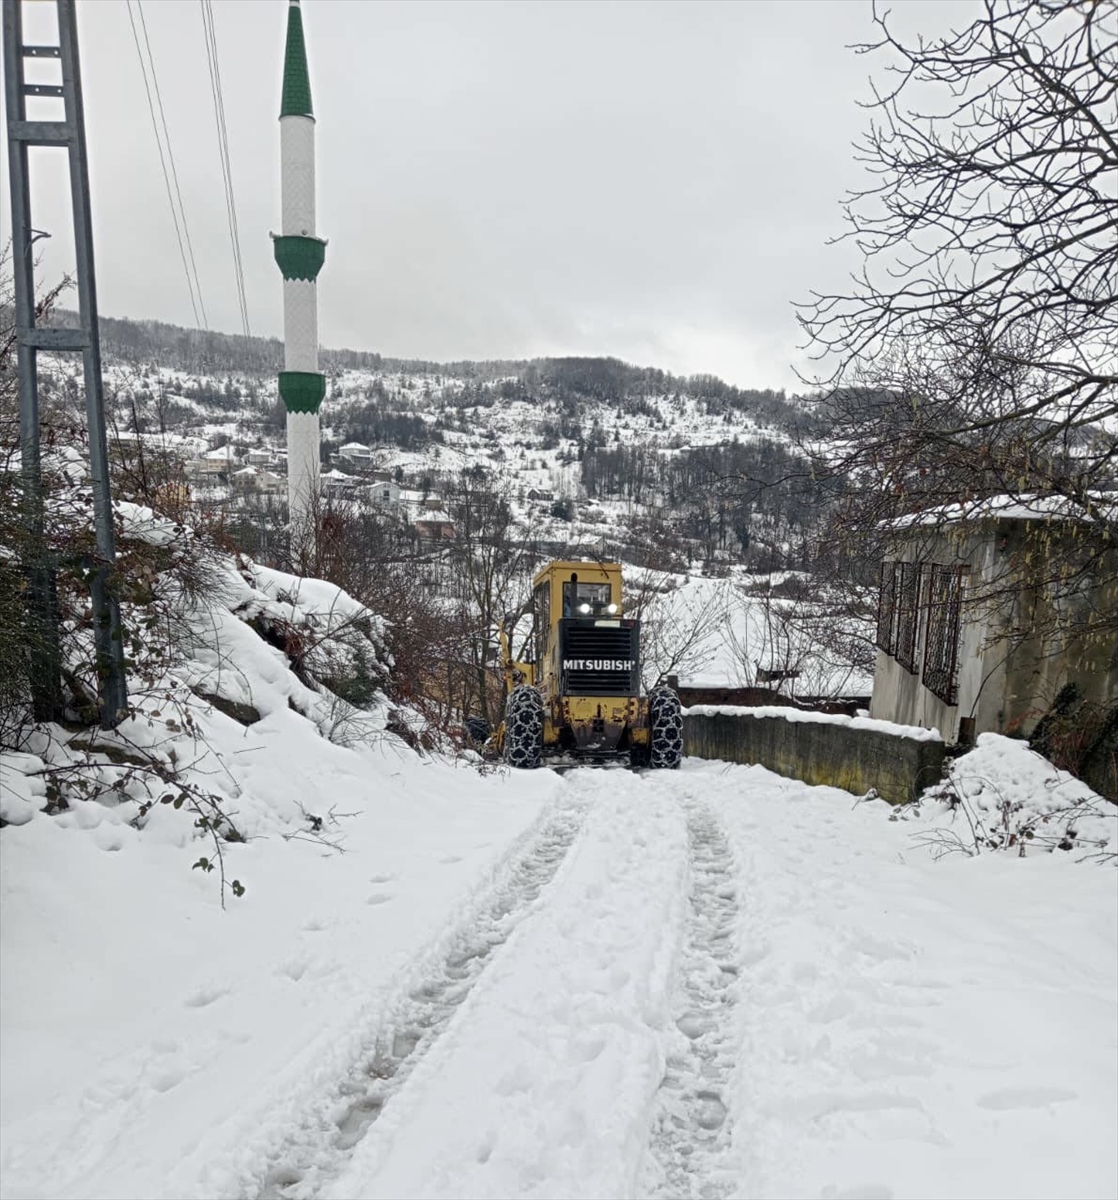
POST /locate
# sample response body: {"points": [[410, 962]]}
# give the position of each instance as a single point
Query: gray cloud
{"points": [[650, 180]]}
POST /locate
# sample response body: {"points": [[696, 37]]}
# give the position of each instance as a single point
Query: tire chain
{"points": [[666, 720], [524, 728]]}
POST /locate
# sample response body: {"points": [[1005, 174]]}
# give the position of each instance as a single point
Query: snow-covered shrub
{"points": [[1003, 796]]}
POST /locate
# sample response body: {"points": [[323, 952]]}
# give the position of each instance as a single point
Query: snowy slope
{"points": [[147, 1032]]}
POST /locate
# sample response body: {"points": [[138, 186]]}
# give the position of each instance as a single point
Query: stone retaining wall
{"points": [[854, 753]]}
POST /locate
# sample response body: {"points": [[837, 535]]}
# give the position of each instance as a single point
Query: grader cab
{"points": [[575, 691]]}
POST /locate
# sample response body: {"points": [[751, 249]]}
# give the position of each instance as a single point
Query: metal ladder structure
{"points": [[67, 134]]}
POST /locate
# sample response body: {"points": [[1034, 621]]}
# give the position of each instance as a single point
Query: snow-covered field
{"points": [[713, 982]]}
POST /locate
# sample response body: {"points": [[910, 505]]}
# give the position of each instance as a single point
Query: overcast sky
{"points": [[654, 181]]}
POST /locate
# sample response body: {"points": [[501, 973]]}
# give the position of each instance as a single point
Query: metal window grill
{"points": [[941, 649], [886, 607], [907, 592]]}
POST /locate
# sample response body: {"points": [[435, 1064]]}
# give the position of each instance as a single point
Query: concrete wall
{"points": [[846, 752]]}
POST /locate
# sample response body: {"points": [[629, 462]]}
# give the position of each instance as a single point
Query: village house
{"points": [[212, 470], [256, 479], [354, 454], [337, 483], [384, 493], [433, 532], [989, 612], [420, 505]]}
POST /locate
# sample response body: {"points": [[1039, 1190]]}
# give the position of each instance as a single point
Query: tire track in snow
{"points": [[691, 1129], [315, 1153]]}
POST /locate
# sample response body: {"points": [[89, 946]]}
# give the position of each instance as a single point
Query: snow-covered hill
{"points": [[591, 451]]}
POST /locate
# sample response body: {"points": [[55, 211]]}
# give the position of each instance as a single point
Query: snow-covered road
{"points": [[715, 982]]}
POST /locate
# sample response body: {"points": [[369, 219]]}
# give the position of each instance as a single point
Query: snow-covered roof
{"points": [[1006, 508]]}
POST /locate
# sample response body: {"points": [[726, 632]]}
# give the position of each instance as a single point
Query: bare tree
{"points": [[682, 628], [493, 558], [976, 351]]}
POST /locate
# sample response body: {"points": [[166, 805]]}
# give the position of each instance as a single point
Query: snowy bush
{"points": [[1002, 796]]}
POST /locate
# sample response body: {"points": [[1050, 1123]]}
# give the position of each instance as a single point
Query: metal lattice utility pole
{"points": [[68, 134]]}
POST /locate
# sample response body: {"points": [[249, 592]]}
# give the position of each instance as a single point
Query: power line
{"points": [[171, 159], [223, 149], [194, 303]]}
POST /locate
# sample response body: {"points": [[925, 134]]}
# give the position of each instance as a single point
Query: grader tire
{"points": [[666, 727], [524, 728]]}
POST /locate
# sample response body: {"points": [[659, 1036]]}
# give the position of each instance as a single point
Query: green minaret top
{"points": [[296, 101]]}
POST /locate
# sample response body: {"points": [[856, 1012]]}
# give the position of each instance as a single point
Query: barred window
{"points": [[906, 622], [941, 649], [887, 607]]}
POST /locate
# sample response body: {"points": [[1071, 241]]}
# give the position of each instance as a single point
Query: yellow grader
{"points": [[575, 694]]}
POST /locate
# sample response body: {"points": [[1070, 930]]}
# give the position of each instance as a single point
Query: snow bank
{"points": [[1003, 796], [798, 714]]}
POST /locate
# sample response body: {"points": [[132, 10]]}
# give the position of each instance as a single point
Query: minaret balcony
{"points": [[299, 257], [302, 391]]}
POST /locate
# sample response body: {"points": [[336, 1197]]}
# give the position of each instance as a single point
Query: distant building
{"points": [[338, 483], [356, 455], [212, 469], [433, 532], [419, 505], [383, 493], [254, 479]]}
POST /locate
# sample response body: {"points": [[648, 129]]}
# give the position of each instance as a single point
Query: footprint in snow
{"points": [[833, 1009], [380, 898], [587, 1049], [861, 1191], [451, 858], [165, 1080], [1025, 1097], [805, 972], [204, 996], [109, 838]]}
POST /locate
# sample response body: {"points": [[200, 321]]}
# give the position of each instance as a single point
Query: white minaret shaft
{"points": [[299, 254]]}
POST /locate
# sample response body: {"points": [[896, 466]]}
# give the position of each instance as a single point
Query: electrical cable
{"points": [[171, 159], [163, 164], [226, 163]]}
